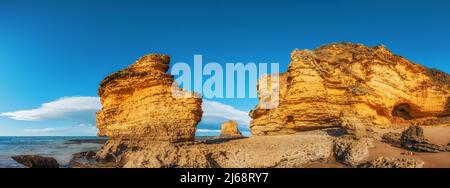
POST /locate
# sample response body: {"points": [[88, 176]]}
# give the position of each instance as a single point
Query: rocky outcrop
{"points": [[254, 152], [352, 152], [82, 158], [392, 138], [414, 139], [142, 102], [35, 161], [369, 86], [393, 162], [230, 129]]}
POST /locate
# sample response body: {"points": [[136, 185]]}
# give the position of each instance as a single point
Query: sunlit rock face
{"points": [[368, 85], [138, 103], [230, 129]]}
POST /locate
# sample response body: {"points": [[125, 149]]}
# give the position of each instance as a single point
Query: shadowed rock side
{"points": [[137, 104], [368, 85]]}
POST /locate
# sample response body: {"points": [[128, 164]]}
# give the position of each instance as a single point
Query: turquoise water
{"points": [[56, 147]]}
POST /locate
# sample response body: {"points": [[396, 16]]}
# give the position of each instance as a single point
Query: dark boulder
{"points": [[35, 161]]}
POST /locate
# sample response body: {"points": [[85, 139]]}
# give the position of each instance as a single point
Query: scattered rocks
{"points": [[230, 129], [414, 139], [408, 153], [393, 162], [83, 141], [35, 161]]}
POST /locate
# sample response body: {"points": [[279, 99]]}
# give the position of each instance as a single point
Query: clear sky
{"points": [[55, 49]]}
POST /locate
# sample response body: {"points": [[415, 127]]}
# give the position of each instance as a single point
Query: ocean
{"points": [[60, 148]]}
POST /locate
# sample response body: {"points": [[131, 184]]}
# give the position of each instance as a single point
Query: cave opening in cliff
{"points": [[403, 111]]}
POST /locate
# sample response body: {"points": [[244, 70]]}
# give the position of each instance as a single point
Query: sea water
{"points": [[59, 148]]}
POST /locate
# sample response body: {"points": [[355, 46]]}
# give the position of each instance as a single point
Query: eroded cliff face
{"points": [[355, 84], [137, 104], [230, 129]]}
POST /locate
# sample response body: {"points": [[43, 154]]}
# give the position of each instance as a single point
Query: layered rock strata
{"points": [[368, 85], [138, 103]]}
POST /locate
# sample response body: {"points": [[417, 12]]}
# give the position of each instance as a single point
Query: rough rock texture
{"points": [[81, 158], [253, 152], [138, 103], [393, 162], [369, 85], [414, 139], [392, 138], [230, 129], [35, 161], [351, 151]]}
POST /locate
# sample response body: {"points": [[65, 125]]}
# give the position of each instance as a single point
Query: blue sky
{"points": [[55, 49]]}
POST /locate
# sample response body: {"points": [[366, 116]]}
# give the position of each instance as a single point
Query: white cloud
{"points": [[44, 130], [208, 131], [216, 112], [77, 130], [81, 109]]}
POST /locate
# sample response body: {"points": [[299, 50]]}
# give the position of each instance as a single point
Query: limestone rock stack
{"points": [[138, 104], [230, 129], [339, 82]]}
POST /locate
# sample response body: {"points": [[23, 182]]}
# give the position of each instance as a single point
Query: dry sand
{"points": [[436, 135]]}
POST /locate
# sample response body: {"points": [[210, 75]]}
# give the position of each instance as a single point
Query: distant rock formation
{"points": [[138, 104], [369, 86], [230, 129], [35, 161]]}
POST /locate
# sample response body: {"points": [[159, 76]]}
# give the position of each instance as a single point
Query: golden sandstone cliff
{"points": [[346, 84], [137, 103], [337, 85]]}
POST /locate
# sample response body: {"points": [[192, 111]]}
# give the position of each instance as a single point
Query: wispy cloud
{"points": [[208, 131], [81, 109], [43, 130], [81, 129], [216, 112]]}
